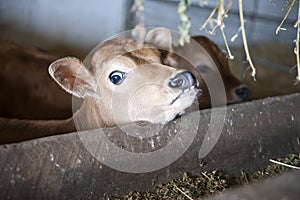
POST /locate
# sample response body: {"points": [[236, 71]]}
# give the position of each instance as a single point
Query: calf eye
{"points": [[117, 77]]}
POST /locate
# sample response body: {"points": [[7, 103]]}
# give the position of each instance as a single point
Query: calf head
{"points": [[206, 61], [124, 82], [236, 91]]}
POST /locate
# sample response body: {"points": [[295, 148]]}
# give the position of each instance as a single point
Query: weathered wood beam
{"points": [[60, 167]]}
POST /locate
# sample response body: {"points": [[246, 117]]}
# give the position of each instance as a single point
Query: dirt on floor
{"points": [[195, 187]]}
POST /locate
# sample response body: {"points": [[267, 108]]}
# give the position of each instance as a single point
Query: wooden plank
{"points": [[60, 167]]}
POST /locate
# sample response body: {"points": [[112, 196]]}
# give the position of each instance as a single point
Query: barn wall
{"points": [[84, 24], [81, 24], [262, 18]]}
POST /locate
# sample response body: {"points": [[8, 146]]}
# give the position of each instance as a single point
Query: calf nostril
{"points": [[190, 78], [183, 80], [243, 92], [176, 82]]}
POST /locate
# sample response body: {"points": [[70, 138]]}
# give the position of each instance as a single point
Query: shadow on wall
{"points": [[275, 73], [34, 39]]}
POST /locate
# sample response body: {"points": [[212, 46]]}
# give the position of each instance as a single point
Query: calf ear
{"points": [[214, 51], [160, 37], [73, 77]]}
